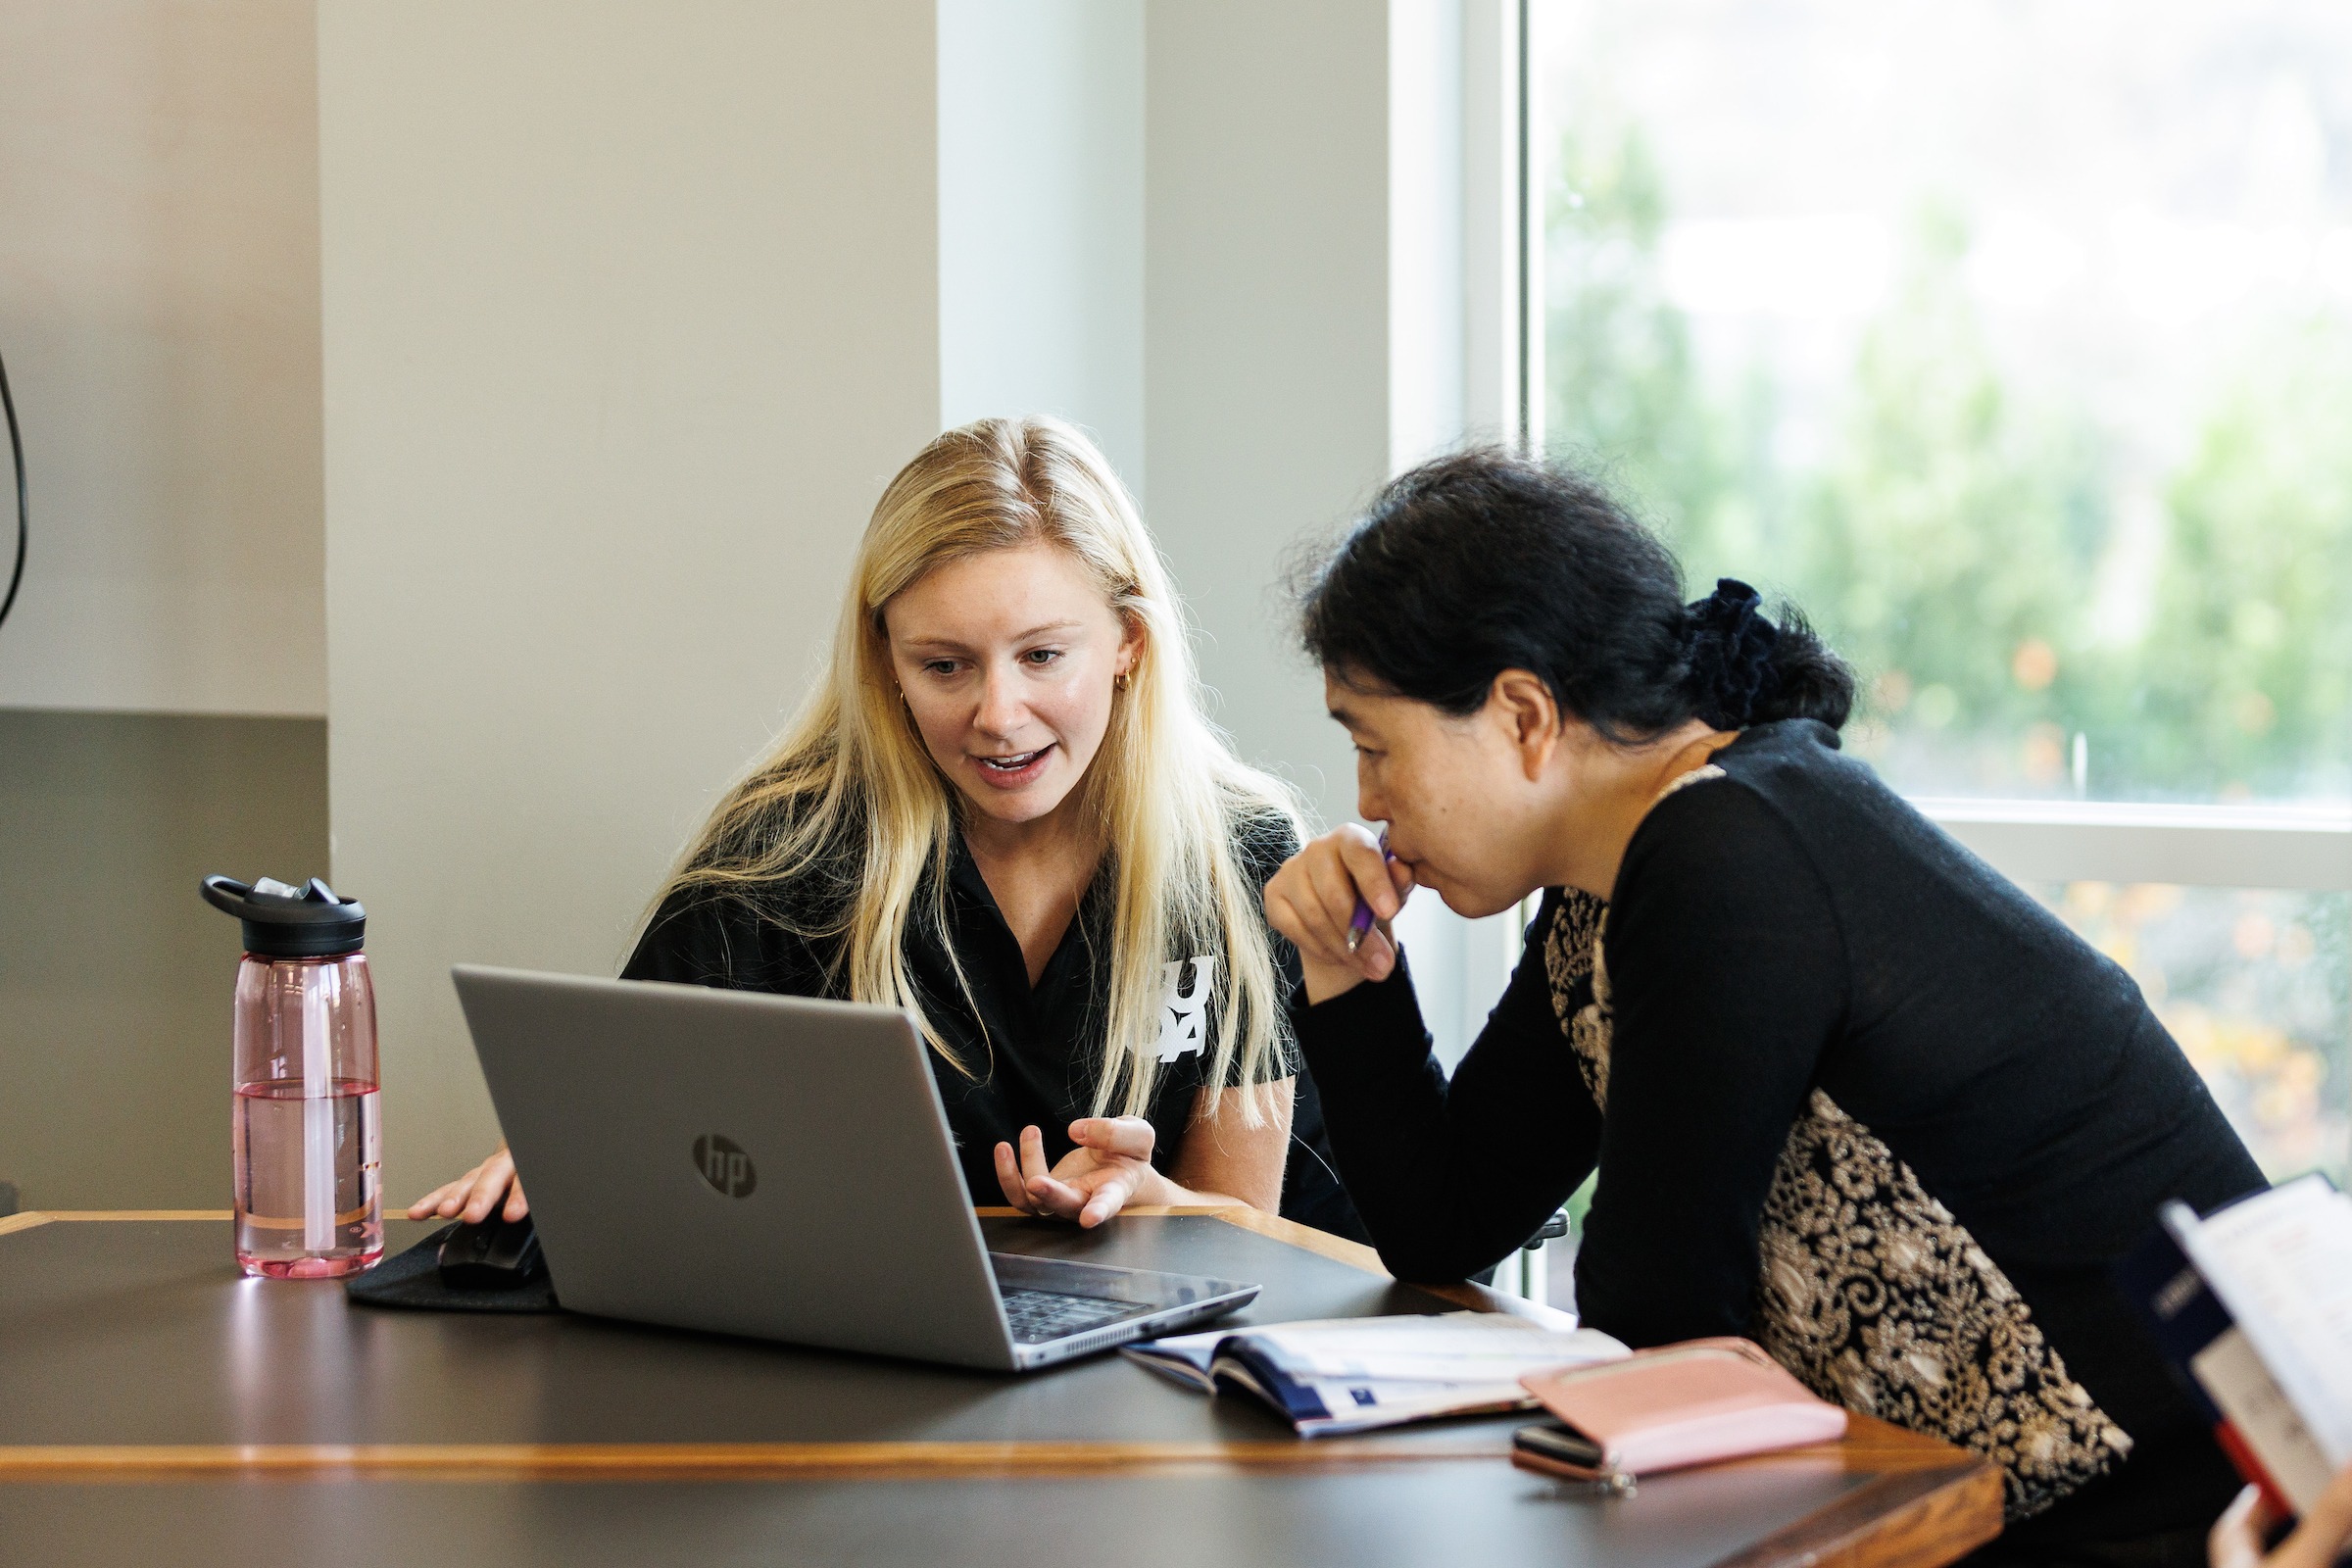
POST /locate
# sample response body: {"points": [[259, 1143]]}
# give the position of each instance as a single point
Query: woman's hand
{"points": [[472, 1196], [1110, 1168], [1311, 901], [2236, 1539]]}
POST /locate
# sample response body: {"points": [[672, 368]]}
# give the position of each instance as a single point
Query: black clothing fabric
{"points": [[1787, 929], [2182, 1547], [1032, 1051]]}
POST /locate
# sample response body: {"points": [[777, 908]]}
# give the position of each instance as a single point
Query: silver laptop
{"points": [[777, 1167]]}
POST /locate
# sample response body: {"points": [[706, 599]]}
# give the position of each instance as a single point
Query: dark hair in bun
{"points": [[1482, 562]]}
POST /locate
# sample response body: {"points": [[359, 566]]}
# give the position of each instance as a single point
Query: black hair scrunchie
{"points": [[1729, 647]]}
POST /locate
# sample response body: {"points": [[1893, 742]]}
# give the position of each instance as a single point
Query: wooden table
{"points": [[267, 1419]]}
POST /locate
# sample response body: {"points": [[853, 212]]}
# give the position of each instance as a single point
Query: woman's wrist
{"points": [[1160, 1190], [1324, 981], [1177, 1196]]}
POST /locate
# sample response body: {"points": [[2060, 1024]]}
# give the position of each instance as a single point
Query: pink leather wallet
{"points": [[1663, 1409]]}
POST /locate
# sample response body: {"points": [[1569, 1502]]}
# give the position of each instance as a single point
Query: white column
{"points": [[1040, 215], [1428, 350]]}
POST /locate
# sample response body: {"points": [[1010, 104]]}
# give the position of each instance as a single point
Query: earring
{"points": [[1118, 682]]}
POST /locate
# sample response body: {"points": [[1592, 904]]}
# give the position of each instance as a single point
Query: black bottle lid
{"points": [[290, 923]]}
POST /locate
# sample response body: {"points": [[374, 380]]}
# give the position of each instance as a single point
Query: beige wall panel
{"points": [[630, 311], [116, 978], [159, 313]]}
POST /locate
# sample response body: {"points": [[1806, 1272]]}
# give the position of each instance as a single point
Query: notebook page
{"points": [[1452, 1348], [2281, 1262]]}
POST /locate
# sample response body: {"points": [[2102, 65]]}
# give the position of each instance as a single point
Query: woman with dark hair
{"points": [[1848, 1091]]}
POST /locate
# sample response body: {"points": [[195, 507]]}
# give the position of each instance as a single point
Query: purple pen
{"points": [[1360, 925]]}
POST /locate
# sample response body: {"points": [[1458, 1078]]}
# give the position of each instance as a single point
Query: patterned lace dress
{"points": [[1868, 1290]]}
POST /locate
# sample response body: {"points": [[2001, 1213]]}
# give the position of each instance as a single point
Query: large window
{"points": [[2252, 982], [2013, 342]]}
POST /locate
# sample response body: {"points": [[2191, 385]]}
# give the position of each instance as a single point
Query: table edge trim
{"points": [[1898, 1519], [699, 1460], [31, 1218]]}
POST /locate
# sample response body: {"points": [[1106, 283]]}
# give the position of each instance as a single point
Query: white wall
{"points": [[159, 313], [1040, 215], [630, 312]]}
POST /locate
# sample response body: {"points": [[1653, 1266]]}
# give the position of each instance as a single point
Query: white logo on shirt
{"points": [[1184, 1013]]}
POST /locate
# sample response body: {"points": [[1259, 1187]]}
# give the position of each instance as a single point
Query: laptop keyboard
{"points": [[1038, 1316]]}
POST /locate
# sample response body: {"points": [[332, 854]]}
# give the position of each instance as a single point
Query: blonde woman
{"points": [[1003, 809]]}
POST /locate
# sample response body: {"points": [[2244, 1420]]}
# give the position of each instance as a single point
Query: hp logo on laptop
{"points": [[724, 1165]]}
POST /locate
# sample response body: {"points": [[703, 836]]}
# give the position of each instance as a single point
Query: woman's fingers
{"points": [[517, 1205], [2325, 1529], [1296, 909], [1313, 899], [2235, 1540], [1033, 1155], [1130, 1137], [473, 1193], [1050, 1194], [491, 1179], [1008, 1177], [1095, 1178], [1336, 894], [1042, 1190], [430, 1205], [1092, 1197], [1371, 870], [1109, 1196], [1285, 916]]}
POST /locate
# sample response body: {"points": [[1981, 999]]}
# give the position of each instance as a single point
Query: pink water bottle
{"points": [[308, 1176]]}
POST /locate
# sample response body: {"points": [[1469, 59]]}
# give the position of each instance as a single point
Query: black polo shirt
{"points": [[1031, 1053]]}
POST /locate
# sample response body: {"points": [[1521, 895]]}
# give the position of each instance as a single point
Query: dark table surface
{"points": [[131, 1350], [146, 1334], [1412, 1514]]}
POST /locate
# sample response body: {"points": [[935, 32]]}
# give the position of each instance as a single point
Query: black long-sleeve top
{"points": [[1851, 1092]]}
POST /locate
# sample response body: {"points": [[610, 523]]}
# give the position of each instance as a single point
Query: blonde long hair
{"points": [[849, 794]]}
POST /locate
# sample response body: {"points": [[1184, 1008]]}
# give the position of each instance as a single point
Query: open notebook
{"points": [[1340, 1374], [2253, 1303]]}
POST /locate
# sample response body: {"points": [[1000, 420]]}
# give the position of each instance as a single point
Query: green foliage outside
{"points": [[2251, 665], [1953, 535]]}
